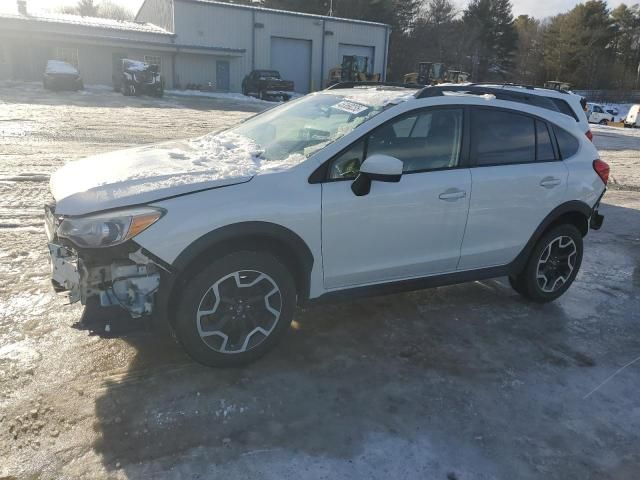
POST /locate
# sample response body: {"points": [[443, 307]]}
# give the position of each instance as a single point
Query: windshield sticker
{"points": [[351, 107]]}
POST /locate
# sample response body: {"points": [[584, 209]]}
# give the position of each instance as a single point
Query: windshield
{"points": [[306, 125], [268, 74]]}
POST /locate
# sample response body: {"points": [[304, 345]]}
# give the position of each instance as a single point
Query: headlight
{"points": [[108, 229]]}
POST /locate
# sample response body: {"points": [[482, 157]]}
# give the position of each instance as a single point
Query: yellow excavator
{"points": [[433, 73]]}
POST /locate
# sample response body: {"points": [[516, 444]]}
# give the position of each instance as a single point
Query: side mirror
{"points": [[381, 168]]}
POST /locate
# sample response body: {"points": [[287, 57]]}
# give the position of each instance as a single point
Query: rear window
{"points": [[567, 143], [565, 108], [499, 138]]}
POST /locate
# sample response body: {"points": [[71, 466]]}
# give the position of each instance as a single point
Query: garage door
{"points": [[359, 50], [292, 58]]}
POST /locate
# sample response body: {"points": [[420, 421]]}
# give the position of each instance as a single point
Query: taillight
{"points": [[602, 169], [589, 135]]}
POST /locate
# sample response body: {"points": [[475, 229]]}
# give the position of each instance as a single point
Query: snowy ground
{"points": [[620, 148], [464, 382]]}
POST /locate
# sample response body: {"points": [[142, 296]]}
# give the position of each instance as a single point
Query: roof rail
{"points": [[523, 85], [498, 92], [372, 84]]}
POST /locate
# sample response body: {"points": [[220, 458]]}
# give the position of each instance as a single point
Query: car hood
{"points": [[154, 172]]}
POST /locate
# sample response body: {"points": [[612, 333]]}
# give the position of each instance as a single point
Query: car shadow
{"points": [[455, 364]]}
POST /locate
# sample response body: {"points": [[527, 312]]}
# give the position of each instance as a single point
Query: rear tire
{"points": [[235, 310], [603, 122], [552, 266]]}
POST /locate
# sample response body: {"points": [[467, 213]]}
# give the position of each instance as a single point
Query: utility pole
{"points": [[331, 8]]}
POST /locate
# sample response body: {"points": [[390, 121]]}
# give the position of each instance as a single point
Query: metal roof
{"points": [[78, 20], [285, 12]]}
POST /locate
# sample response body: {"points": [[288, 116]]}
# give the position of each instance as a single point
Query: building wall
{"points": [[355, 34], [6, 64], [28, 56], [289, 26], [220, 26], [201, 69], [215, 27], [157, 12]]}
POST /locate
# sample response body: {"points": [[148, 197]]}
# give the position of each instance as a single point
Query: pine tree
{"points": [[87, 8], [490, 38]]}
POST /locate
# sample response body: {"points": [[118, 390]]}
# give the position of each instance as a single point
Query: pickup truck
{"points": [[266, 85]]}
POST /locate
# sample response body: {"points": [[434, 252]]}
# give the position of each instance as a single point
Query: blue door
{"points": [[222, 75]]}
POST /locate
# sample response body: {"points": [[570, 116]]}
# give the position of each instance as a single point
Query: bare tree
{"points": [[104, 9]]}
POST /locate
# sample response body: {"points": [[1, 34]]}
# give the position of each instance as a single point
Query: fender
{"points": [[226, 238], [573, 206], [238, 231]]}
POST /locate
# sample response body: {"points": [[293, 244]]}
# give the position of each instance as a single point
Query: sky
{"points": [[534, 8]]}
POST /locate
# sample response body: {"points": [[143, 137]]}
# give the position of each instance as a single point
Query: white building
{"points": [[195, 42]]}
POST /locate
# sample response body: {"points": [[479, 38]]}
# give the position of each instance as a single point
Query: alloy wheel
{"points": [[556, 264], [239, 311]]}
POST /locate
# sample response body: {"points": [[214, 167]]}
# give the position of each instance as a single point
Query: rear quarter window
{"points": [[567, 143], [565, 108]]}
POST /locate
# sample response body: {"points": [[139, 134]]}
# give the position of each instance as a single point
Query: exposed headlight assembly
{"points": [[108, 229]]}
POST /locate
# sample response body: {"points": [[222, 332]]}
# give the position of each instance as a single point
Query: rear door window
{"points": [[500, 138], [545, 151]]}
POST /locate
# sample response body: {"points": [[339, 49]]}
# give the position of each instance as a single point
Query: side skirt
{"points": [[411, 285]]}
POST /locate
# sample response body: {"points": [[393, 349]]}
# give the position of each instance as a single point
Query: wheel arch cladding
{"points": [[574, 212], [286, 245]]}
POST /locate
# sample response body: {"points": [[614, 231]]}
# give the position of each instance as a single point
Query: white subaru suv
{"points": [[349, 191]]}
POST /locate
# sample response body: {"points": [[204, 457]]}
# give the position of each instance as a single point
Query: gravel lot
{"points": [[463, 382]]}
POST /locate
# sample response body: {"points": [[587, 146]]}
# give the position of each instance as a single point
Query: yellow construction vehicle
{"points": [[433, 73], [557, 85], [354, 68]]}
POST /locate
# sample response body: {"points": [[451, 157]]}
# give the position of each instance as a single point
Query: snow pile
{"points": [[220, 95], [233, 155], [59, 67]]}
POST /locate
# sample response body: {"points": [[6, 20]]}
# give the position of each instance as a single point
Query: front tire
{"points": [[552, 266], [236, 310], [603, 122]]}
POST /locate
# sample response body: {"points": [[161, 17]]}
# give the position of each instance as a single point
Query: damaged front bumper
{"points": [[129, 281]]}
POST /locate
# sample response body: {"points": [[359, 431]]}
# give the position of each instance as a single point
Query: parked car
{"points": [[344, 192], [633, 117], [267, 85], [139, 78], [59, 75], [612, 110], [597, 114]]}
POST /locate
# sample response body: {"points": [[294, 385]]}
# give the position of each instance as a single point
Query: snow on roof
{"points": [[63, 18]]}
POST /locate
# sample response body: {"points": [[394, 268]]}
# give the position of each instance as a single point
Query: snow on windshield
{"points": [[306, 125], [56, 66], [235, 155]]}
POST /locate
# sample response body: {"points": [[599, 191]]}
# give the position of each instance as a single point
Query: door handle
{"points": [[452, 194], [550, 182]]}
